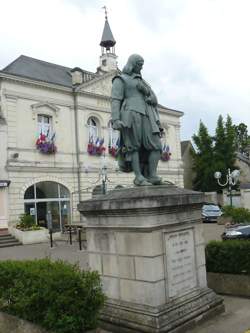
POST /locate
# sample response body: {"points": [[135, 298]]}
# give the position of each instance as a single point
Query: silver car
{"points": [[210, 213]]}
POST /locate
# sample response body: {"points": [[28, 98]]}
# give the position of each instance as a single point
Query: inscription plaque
{"points": [[181, 270]]}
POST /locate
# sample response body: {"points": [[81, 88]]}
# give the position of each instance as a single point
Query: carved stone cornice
{"points": [[35, 109]]}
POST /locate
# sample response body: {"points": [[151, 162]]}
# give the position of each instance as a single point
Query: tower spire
{"points": [[108, 58]]}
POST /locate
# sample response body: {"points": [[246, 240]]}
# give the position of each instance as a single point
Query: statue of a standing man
{"points": [[135, 115]]}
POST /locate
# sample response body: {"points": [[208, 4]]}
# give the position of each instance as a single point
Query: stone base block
{"points": [[147, 244], [175, 317]]}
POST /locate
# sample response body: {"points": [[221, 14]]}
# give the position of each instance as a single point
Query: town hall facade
{"points": [[56, 140]]}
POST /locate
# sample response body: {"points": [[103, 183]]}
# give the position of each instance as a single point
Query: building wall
{"points": [[22, 102], [244, 166], [188, 168], [3, 173]]}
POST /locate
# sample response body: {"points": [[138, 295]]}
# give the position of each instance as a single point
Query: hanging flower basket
{"points": [[46, 145], [96, 148], [165, 155]]}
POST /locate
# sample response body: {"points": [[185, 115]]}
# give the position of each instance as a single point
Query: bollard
{"points": [[70, 235], [80, 238], [51, 237], [49, 224]]}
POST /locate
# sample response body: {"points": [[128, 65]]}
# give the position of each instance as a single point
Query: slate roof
{"points": [[43, 71], [107, 36]]}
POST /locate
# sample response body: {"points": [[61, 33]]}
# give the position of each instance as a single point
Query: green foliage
{"points": [[232, 257], [242, 137], [239, 215], [203, 160], [56, 295], [27, 222], [212, 154]]}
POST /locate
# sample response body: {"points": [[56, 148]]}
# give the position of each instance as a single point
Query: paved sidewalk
{"points": [[236, 318], [61, 250]]}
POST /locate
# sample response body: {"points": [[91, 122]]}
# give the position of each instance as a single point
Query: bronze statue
{"points": [[135, 115]]}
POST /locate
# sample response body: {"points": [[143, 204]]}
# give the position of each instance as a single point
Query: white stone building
{"points": [[70, 105]]}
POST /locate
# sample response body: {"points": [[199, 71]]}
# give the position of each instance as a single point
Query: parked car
{"points": [[210, 212], [238, 232]]}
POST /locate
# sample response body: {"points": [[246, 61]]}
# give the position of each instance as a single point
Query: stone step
{"points": [[5, 236], [10, 244], [8, 240]]}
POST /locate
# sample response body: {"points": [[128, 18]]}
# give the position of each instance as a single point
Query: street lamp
{"points": [[104, 174], [231, 180]]}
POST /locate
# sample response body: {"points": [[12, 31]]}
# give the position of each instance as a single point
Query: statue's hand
{"points": [[142, 87], [117, 124]]}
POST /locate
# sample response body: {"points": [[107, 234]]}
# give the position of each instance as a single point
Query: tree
{"points": [[216, 153], [242, 138], [230, 144], [219, 146], [203, 160], [224, 145]]}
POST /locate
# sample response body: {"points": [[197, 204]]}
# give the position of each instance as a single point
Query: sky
{"points": [[196, 52]]}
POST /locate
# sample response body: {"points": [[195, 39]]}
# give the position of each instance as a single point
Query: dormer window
{"points": [[44, 125]]}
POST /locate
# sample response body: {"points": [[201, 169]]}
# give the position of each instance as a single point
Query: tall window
{"points": [[113, 136], [45, 125], [92, 129]]}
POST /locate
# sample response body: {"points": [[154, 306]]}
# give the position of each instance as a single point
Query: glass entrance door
{"points": [[65, 212], [42, 210]]}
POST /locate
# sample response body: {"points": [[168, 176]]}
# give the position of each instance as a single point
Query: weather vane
{"points": [[106, 13]]}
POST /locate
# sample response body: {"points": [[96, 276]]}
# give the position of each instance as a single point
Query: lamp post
{"points": [[231, 180], [104, 174]]}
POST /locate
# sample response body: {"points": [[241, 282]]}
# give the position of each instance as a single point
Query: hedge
{"points": [[238, 214], [231, 256], [55, 295]]}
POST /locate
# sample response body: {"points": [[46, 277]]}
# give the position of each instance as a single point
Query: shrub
{"points": [[231, 256], [27, 222], [55, 295], [239, 215]]}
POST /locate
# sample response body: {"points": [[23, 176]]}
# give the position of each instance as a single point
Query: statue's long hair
{"points": [[132, 60]]}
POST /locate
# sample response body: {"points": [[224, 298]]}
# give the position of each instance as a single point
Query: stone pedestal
{"points": [[147, 244]]}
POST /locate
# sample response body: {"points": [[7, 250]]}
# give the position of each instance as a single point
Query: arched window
{"points": [[44, 197], [113, 136], [92, 129]]}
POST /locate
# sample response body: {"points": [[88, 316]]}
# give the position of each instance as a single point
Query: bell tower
{"points": [[108, 58]]}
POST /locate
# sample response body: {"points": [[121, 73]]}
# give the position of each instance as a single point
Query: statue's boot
{"points": [[156, 180], [141, 181], [153, 163]]}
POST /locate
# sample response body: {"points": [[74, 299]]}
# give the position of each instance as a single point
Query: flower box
{"points": [[46, 145], [96, 148], [30, 236], [113, 151], [33, 236]]}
